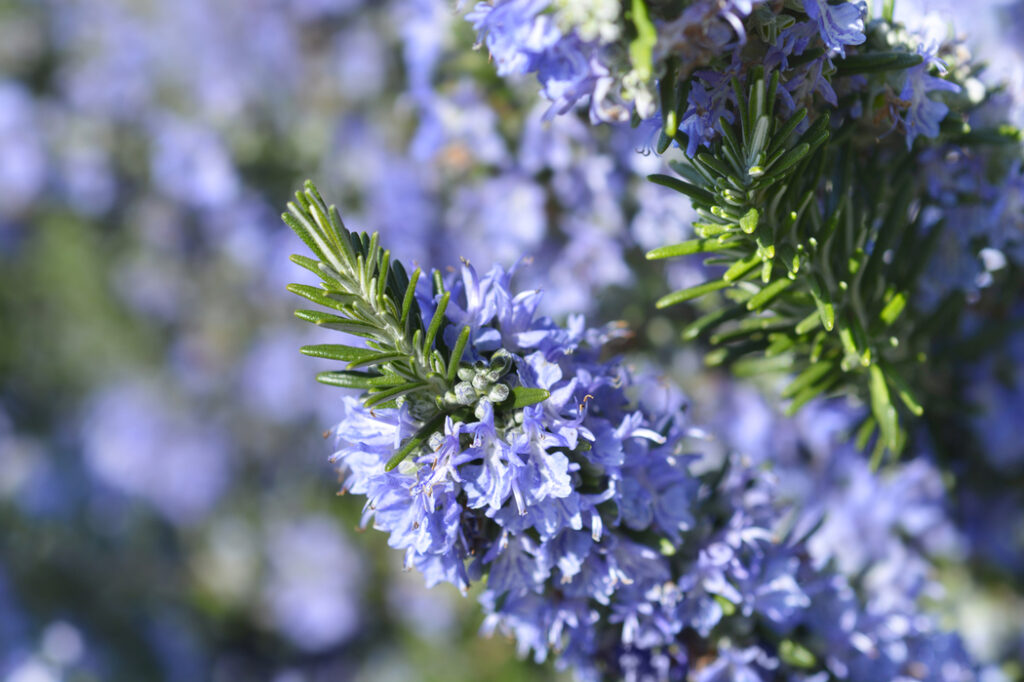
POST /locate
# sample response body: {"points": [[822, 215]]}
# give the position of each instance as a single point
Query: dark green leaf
{"points": [[903, 390], [874, 62], [330, 351], [711, 320], [436, 322], [337, 323], [376, 359], [699, 195], [409, 300], [782, 136], [393, 392], [361, 380], [786, 161]]}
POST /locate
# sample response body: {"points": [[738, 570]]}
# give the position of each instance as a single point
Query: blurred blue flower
{"points": [[311, 594], [23, 155], [515, 32], [135, 441]]}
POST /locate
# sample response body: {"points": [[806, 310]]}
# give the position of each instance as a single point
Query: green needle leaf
{"points": [[808, 324], [875, 62], [759, 139], [810, 393], [330, 351], [375, 360], [524, 397], [782, 136], [418, 439], [741, 267], [823, 302], [767, 294], [691, 247], [329, 299], [809, 376], [456, 358], [699, 195], [305, 261], [436, 321], [395, 391], [691, 293], [882, 408], [667, 91], [776, 168], [711, 320], [337, 323], [903, 391], [410, 296], [864, 433], [360, 380]]}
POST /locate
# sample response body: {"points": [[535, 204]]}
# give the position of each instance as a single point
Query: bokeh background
{"points": [[166, 508]]}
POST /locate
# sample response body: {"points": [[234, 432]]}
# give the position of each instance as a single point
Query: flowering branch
{"points": [[403, 361], [599, 539]]}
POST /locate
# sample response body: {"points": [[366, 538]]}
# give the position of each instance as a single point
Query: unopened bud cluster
{"points": [[482, 381]]}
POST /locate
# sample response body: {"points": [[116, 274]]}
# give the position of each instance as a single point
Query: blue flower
{"points": [[558, 504], [709, 99], [517, 565], [839, 24], [738, 665], [568, 72], [490, 482], [515, 32], [923, 114], [804, 82]]}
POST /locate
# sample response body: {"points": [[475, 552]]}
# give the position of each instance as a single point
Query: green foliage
{"points": [[807, 287], [405, 359], [373, 298]]}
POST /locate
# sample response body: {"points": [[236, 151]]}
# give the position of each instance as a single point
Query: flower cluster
{"points": [[618, 61], [709, 43], [601, 540]]}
